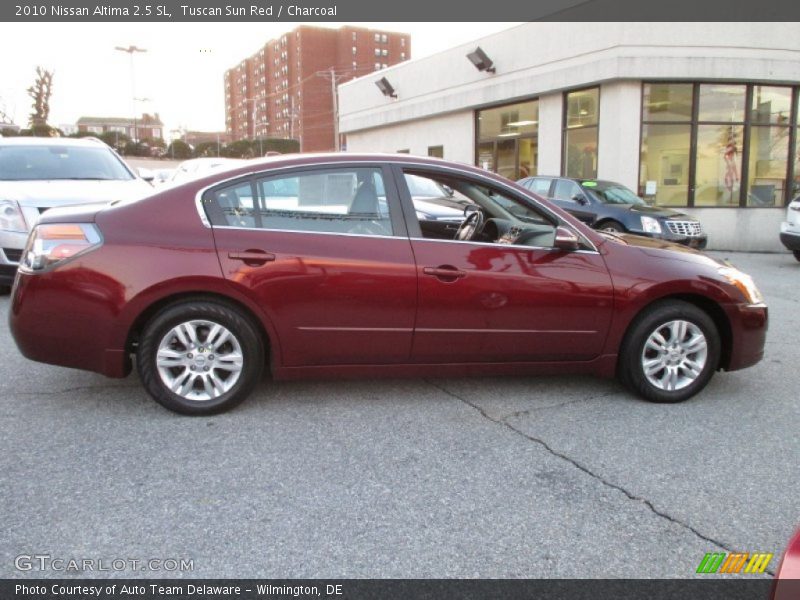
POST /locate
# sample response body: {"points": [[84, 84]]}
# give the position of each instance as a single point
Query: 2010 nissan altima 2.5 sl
{"points": [[321, 266]]}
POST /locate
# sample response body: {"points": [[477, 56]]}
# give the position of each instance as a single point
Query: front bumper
{"points": [[790, 236], [11, 245], [749, 324]]}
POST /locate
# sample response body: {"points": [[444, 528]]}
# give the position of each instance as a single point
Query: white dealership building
{"points": [[698, 116]]}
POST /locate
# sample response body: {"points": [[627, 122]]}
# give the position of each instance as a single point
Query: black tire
{"points": [[611, 226], [5, 290], [796, 255], [245, 334], [631, 370]]}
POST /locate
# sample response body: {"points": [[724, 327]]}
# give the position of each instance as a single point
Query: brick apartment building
{"points": [[284, 89]]}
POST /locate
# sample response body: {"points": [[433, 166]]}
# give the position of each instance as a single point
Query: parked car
{"points": [[613, 207], [39, 173], [790, 228], [298, 263], [200, 167], [786, 585]]}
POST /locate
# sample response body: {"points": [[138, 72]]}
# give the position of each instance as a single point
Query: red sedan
{"points": [[326, 266]]}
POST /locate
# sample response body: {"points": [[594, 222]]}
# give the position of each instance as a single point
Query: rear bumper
{"points": [[45, 331], [749, 332]]}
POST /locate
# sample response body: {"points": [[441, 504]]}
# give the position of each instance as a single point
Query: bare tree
{"points": [[40, 93]]}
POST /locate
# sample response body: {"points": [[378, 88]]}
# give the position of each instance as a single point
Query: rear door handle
{"points": [[446, 273], [252, 258]]}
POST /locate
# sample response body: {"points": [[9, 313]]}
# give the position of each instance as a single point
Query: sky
{"points": [[180, 76]]}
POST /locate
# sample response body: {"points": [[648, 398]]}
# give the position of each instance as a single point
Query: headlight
{"points": [[11, 218], [650, 225], [53, 243], [744, 283]]}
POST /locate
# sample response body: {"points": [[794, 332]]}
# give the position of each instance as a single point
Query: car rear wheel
{"points": [[612, 227], [6, 289], [670, 353], [200, 358]]}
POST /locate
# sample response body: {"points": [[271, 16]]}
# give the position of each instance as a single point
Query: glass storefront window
{"points": [[528, 157], [664, 163], [582, 114], [513, 120], [583, 108], [486, 156], [771, 105], [766, 173], [580, 156], [508, 139], [702, 160], [722, 103], [718, 166], [667, 102]]}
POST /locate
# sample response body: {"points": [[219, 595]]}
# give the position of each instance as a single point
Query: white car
{"points": [[41, 173], [195, 168], [790, 228]]}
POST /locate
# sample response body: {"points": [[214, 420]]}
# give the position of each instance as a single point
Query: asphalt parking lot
{"points": [[525, 477]]}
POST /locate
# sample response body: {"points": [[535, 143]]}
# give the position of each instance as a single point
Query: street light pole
{"points": [[255, 125], [131, 50]]}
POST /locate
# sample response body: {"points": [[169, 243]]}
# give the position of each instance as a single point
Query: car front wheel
{"points": [[200, 358], [670, 352], [612, 227]]}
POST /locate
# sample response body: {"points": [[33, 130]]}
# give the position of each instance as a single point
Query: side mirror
{"points": [[448, 190], [146, 174], [566, 240], [580, 198]]}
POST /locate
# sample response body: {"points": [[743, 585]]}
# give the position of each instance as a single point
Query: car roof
{"points": [[51, 141], [579, 180], [324, 158]]}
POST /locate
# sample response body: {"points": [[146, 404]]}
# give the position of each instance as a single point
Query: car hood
{"points": [[65, 192], [658, 211], [662, 248], [439, 207]]}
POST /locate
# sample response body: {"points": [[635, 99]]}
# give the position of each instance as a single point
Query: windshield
{"points": [[612, 193], [25, 163]]}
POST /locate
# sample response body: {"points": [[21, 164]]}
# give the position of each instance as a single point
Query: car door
{"points": [[326, 257], [488, 302], [566, 194]]}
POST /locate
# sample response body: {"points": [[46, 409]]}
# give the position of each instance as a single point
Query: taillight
{"points": [[53, 243]]}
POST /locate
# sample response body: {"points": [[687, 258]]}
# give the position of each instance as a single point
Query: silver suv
{"points": [[41, 173]]}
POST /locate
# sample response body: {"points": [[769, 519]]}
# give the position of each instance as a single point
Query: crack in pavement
{"points": [[587, 470], [522, 413]]}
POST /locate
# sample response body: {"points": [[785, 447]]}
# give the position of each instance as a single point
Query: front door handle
{"points": [[252, 258], [447, 273]]}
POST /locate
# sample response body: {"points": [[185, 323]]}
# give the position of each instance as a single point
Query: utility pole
{"points": [[334, 79], [131, 50]]}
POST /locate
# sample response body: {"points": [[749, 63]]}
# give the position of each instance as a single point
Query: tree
{"points": [[40, 92], [206, 149], [179, 149]]}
